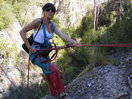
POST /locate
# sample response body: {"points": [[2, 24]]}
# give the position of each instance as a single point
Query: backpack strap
{"points": [[43, 27], [44, 31], [38, 28], [52, 27], [45, 36]]}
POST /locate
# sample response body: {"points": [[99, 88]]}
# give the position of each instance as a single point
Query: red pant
{"points": [[54, 82]]}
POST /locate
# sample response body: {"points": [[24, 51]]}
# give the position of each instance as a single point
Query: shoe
{"points": [[63, 96]]}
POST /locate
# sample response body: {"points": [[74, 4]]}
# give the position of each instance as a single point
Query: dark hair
{"points": [[47, 5]]}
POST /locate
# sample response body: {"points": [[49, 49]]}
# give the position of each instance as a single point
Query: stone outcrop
{"points": [[70, 12], [104, 82]]}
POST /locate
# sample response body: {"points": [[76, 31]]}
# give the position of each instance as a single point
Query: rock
{"points": [[104, 82], [122, 96]]}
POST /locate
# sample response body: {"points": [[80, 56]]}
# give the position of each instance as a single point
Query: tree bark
{"points": [[95, 10], [96, 14]]}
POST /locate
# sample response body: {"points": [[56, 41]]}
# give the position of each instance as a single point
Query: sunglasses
{"points": [[49, 8]]}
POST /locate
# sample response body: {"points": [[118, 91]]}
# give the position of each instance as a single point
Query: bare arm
{"points": [[65, 37], [33, 25]]}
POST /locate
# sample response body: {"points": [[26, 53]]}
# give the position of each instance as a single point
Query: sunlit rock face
{"points": [[69, 13]]}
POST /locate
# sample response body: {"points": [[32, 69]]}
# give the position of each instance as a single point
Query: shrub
{"points": [[8, 51], [7, 17], [19, 10]]}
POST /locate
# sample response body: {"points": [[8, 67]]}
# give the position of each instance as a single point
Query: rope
{"points": [[68, 46], [98, 45], [27, 91]]}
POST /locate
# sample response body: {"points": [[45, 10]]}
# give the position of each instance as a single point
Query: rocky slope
{"points": [[103, 82]]}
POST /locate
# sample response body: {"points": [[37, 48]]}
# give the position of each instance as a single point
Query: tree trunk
{"points": [[96, 14], [95, 17], [119, 10]]}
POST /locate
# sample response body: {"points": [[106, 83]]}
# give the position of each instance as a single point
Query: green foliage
{"points": [[110, 31], [98, 57], [42, 91], [70, 74], [72, 61], [8, 10], [7, 16], [16, 1], [104, 21], [121, 32], [19, 10], [114, 61], [69, 31], [68, 70], [80, 57], [86, 26], [8, 51]]}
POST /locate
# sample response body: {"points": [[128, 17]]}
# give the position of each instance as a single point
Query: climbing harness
{"points": [[41, 55]]}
